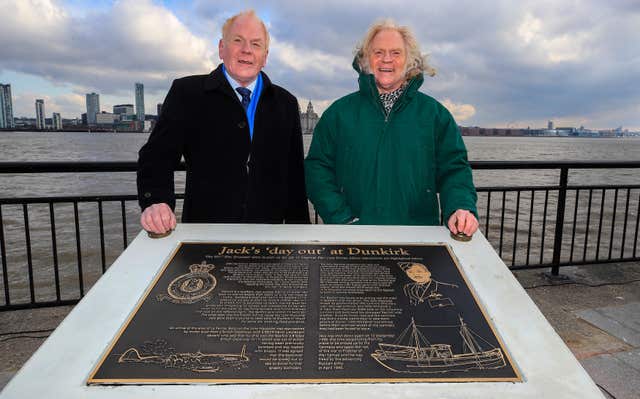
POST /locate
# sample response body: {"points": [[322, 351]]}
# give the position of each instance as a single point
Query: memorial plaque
{"points": [[321, 313]]}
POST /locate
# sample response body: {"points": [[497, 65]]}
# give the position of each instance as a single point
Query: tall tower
{"points": [[140, 103], [40, 114], [308, 120], [6, 107], [93, 107], [57, 121]]}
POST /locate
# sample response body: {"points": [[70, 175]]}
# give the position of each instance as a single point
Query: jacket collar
{"points": [[217, 81]]}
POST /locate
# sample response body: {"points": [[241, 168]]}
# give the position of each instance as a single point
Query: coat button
{"points": [[147, 195], [242, 124]]}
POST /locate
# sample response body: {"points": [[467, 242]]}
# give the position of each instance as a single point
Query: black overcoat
{"points": [[230, 178]]}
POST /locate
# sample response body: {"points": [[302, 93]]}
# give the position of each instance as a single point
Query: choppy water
{"points": [[19, 146]]}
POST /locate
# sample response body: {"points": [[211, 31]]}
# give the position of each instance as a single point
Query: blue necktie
{"points": [[246, 96]]}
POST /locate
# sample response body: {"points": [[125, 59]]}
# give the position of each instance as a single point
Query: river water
{"points": [[20, 146], [60, 146]]}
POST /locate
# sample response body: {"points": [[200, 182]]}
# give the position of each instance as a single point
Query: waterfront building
{"points": [[140, 102], [308, 120], [482, 131], [566, 131], [22, 122], [124, 112], [123, 109], [40, 122], [6, 107], [57, 121], [71, 122], [106, 119], [126, 125], [93, 107]]}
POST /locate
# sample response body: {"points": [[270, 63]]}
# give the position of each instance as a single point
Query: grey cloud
{"points": [[477, 47], [481, 59], [104, 51]]}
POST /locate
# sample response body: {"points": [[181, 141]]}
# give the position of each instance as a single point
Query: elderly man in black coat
{"points": [[240, 137]]}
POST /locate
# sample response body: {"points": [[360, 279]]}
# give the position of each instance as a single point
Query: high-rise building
{"points": [[140, 102], [308, 120], [550, 125], [57, 121], [40, 124], [93, 107], [159, 106], [6, 107]]}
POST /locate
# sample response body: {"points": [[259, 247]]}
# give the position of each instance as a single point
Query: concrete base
{"points": [[61, 366]]}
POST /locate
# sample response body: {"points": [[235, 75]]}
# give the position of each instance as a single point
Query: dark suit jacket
{"points": [[230, 179]]}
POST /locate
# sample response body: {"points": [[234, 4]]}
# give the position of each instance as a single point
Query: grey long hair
{"points": [[416, 62]]}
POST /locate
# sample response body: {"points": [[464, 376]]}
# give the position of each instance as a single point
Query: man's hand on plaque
{"points": [[158, 219], [463, 221]]}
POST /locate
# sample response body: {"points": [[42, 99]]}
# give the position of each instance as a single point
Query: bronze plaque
{"points": [[317, 313]]}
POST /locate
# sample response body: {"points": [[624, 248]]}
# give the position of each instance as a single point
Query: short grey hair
{"points": [[416, 62], [248, 13]]}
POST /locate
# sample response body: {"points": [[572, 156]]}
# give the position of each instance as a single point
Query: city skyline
{"points": [[309, 117], [500, 64]]}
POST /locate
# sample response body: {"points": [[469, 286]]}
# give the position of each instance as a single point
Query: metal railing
{"points": [[54, 248], [594, 210]]}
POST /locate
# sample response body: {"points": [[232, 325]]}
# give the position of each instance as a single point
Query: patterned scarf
{"points": [[388, 99]]}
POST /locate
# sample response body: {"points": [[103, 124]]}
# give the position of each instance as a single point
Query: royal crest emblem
{"points": [[192, 287]]}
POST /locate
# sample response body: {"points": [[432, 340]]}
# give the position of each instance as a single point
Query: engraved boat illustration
{"points": [[197, 362], [418, 355]]}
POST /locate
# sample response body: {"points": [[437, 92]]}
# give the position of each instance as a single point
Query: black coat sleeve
{"points": [[297, 205], [160, 156]]}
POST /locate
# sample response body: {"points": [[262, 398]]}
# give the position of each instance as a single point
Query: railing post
{"points": [[557, 242]]}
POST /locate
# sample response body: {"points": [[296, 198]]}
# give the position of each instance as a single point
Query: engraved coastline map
{"points": [[272, 313]]}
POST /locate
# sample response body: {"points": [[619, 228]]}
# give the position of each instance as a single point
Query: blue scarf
{"points": [[253, 104]]}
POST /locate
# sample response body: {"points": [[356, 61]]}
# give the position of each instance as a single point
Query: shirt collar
{"points": [[234, 84]]}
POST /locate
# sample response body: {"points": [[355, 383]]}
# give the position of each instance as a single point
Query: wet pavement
{"points": [[596, 311]]}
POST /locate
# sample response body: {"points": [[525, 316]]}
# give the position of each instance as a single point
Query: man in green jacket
{"points": [[382, 154]]}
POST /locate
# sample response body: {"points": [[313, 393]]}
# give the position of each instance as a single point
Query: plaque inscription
{"points": [[283, 313]]}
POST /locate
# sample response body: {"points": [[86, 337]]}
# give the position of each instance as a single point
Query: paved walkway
{"points": [[596, 312]]}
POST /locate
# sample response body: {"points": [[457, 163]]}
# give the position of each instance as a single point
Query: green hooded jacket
{"points": [[388, 170]]}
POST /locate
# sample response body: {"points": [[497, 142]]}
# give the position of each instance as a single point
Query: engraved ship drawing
{"points": [[421, 356], [197, 362]]}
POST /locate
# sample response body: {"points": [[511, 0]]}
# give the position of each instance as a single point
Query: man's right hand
{"points": [[158, 218]]}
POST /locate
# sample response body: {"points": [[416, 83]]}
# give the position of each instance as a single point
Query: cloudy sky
{"points": [[500, 63]]}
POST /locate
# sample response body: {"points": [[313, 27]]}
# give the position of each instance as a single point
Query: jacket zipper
{"points": [[386, 116]]}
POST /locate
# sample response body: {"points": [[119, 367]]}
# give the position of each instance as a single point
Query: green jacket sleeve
{"points": [[453, 173], [320, 172]]}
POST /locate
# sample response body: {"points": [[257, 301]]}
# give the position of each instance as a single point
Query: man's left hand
{"points": [[463, 221]]}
